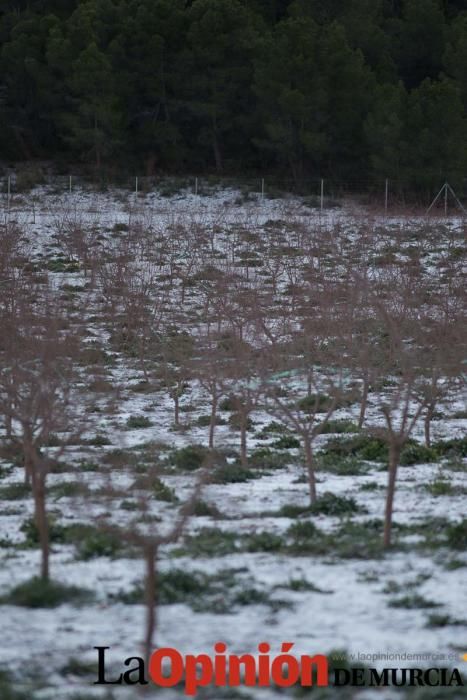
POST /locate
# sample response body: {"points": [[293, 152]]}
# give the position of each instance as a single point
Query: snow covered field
{"points": [[254, 577]]}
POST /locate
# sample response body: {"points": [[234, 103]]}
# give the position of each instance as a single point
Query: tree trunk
{"points": [[310, 465], [150, 599], [364, 403], [394, 454], [243, 429], [427, 424], [40, 516], [212, 424]]}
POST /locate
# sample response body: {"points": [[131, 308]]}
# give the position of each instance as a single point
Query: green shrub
{"points": [[286, 442], [96, 543], [98, 440], [235, 422], [264, 542], [162, 492], [343, 466], [57, 533], [358, 540], [37, 593], [440, 620], [413, 453], [85, 465], [62, 265], [265, 458], [135, 422], [231, 474], [201, 508], [330, 504], [273, 427], [189, 458], [319, 403], [305, 538], [457, 447], [293, 511], [361, 446], [205, 421], [227, 404]]}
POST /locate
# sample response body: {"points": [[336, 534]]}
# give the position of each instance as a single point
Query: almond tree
{"points": [[36, 399]]}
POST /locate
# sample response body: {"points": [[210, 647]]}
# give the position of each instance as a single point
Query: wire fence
{"points": [[386, 195]]}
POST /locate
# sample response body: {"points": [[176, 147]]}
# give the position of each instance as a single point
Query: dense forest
{"points": [[353, 91]]}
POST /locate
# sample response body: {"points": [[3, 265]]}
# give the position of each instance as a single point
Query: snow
{"points": [[352, 613]]}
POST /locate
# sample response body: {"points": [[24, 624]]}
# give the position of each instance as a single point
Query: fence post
{"points": [[321, 204], [386, 197], [445, 199], [262, 188], [136, 186], [69, 184], [9, 193], [196, 185]]}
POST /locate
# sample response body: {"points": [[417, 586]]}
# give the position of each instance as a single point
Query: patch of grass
{"points": [[343, 466], [161, 491], [201, 508], [235, 422], [62, 265], [211, 542], [68, 489], [457, 535], [15, 491], [289, 510], [457, 447], [414, 453], [98, 543], [437, 620], [286, 442], [330, 504], [358, 540], [440, 487], [8, 690], [37, 593], [361, 446], [85, 465], [227, 404], [231, 474], [413, 601], [99, 440], [370, 486], [264, 542], [205, 421], [135, 422], [219, 593], [341, 427], [265, 458], [301, 584], [189, 458], [455, 464], [273, 427]]}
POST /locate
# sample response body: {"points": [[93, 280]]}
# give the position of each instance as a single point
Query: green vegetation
{"points": [[37, 593]]}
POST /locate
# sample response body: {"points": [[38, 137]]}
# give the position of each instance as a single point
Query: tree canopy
{"points": [[362, 90]]}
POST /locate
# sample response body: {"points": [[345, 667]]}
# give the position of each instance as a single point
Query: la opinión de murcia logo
{"points": [[221, 670], [169, 668]]}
